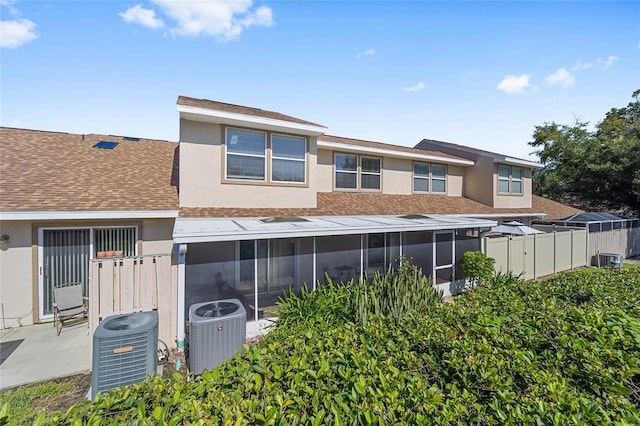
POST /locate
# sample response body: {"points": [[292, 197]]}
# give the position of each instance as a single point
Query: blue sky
{"points": [[479, 73]]}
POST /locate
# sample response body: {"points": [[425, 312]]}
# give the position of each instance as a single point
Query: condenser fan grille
{"points": [[216, 309]]}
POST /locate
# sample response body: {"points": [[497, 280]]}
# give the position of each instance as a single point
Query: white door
{"points": [[443, 257]]}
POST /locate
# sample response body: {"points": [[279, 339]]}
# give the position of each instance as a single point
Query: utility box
{"points": [[610, 260], [218, 330], [125, 350]]}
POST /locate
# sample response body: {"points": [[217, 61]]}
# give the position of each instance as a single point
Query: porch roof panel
{"points": [[195, 230]]}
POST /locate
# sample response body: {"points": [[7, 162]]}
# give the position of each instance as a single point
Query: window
{"points": [[347, 172], [429, 178], [370, 173], [109, 242], [509, 180], [246, 154], [288, 158]]}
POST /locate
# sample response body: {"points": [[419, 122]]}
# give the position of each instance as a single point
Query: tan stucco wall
{"points": [[325, 171], [397, 176], [514, 201], [479, 181], [201, 175], [455, 180], [16, 275], [157, 236]]}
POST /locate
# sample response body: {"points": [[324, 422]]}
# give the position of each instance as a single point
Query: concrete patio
{"points": [[43, 355]]}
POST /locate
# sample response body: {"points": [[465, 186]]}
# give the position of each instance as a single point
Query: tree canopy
{"points": [[592, 169]]}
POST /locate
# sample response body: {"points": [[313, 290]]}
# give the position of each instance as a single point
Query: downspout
{"points": [[182, 251]]}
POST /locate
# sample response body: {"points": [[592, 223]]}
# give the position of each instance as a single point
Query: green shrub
{"points": [[477, 267], [513, 352], [395, 295]]}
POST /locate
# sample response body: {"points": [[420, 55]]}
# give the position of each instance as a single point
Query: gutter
{"points": [[88, 214]]}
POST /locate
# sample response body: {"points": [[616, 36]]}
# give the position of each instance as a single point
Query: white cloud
{"points": [[139, 15], [514, 84], [223, 18], [606, 63], [368, 52], [562, 78], [16, 33], [580, 66], [415, 88], [9, 5]]}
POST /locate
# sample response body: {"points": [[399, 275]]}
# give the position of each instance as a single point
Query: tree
{"points": [[594, 170]]}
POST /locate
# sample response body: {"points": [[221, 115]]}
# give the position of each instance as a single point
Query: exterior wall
{"points": [[157, 236], [513, 201], [20, 290], [455, 180], [397, 175], [16, 275], [325, 170], [479, 181], [202, 174]]}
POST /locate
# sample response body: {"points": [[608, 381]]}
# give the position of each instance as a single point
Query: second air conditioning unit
{"points": [[218, 330], [610, 260]]}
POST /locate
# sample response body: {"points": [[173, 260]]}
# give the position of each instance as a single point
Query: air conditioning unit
{"points": [[125, 350], [610, 260], [218, 330]]}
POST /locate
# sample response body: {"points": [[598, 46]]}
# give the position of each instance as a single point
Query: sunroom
{"points": [[257, 260]]}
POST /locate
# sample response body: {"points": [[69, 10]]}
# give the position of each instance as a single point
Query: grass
{"points": [[27, 402]]}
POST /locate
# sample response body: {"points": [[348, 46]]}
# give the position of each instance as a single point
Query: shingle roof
{"points": [[380, 145], [553, 209], [354, 204], [239, 109], [51, 171], [465, 149]]}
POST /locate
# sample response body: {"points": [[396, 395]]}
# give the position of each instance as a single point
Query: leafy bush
{"points": [[511, 352], [395, 295], [477, 267]]}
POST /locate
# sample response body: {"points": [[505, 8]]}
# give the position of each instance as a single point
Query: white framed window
{"points": [[246, 154], [429, 178], [438, 178], [370, 173], [421, 175], [288, 158], [509, 179], [346, 171], [516, 180], [357, 172]]}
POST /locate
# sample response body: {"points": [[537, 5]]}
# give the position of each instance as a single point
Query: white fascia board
{"points": [[499, 215], [89, 214], [517, 162], [391, 153], [244, 120], [236, 235]]}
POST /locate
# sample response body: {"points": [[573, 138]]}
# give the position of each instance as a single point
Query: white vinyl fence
{"points": [[538, 255], [133, 284]]}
